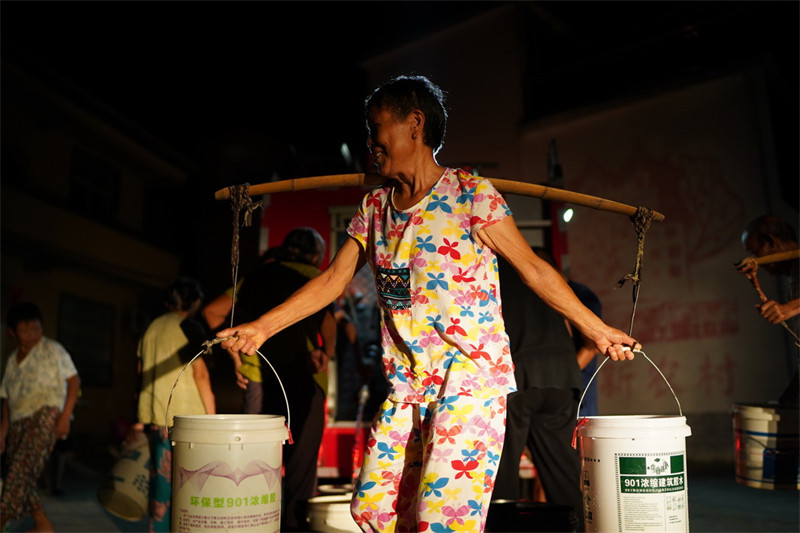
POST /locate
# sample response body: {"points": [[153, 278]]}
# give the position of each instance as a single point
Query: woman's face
{"points": [[27, 333], [390, 141]]}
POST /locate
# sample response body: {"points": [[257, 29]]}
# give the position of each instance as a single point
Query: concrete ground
{"points": [[716, 503]]}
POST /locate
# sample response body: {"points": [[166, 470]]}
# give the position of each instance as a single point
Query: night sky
{"points": [[188, 71]]}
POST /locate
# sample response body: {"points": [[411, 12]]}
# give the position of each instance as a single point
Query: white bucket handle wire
{"points": [[585, 389], [206, 347]]}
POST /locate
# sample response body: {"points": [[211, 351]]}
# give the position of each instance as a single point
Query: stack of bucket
{"points": [[767, 446]]}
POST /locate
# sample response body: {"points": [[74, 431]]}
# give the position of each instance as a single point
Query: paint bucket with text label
{"points": [[226, 473], [633, 471], [125, 491], [767, 446], [227, 469]]}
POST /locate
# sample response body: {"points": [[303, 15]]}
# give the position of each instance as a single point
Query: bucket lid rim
{"points": [[229, 416], [633, 417]]}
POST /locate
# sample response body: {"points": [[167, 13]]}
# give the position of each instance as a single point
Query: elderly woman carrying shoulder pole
{"points": [[430, 236]]}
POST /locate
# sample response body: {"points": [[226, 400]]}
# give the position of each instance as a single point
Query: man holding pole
{"points": [[765, 237]]}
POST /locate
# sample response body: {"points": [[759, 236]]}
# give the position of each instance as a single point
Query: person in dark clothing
{"points": [[299, 355], [763, 236], [586, 352], [542, 413]]}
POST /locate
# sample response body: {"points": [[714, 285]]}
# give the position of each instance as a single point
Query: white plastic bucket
{"points": [[331, 514], [633, 470], [226, 473], [767, 446], [633, 473], [125, 491]]}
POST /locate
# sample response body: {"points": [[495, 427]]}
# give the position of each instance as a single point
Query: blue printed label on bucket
{"points": [[650, 475]]}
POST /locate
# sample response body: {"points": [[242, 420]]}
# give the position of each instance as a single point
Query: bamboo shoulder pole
{"points": [[563, 195], [304, 184], [772, 258], [502, 185]]}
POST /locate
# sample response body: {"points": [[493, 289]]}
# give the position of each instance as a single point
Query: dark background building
{"points": [[121, 119]]}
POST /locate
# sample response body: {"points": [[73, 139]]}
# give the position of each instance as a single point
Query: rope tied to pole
{"points": [[240, 201], [641, 223]]}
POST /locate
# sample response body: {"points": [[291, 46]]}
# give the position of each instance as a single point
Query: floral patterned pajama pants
{"points": [[430, 467], [30, 442]]}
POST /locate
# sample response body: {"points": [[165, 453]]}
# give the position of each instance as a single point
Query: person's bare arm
{"points": [[203, 381], [310, 298], [64, 420], [586, 354], [322, 355], [215, 311], [776, 312], [241, 380], [505, 239]]}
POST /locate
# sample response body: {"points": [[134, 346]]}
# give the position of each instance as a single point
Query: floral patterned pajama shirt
{"points": [[434, 447]]}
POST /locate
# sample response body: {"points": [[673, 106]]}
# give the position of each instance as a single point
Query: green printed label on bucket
{"points": [[651, 491], [650, 475], [232, 502], [189, 521]]}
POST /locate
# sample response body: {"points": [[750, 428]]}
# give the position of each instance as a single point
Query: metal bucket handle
{"points": [[680, 411], [207, 346]]}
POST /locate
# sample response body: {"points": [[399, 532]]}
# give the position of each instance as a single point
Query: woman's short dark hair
{"points": [[23, 312], [768, 227], [303, 245], [403, 94], [182, 293]]}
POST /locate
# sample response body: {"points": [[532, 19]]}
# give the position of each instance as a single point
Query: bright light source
{"points": [[567, 214], [346, 155]]}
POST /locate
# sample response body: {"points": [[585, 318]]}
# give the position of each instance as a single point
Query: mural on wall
{"points": [[695, 156], [695, 230]]}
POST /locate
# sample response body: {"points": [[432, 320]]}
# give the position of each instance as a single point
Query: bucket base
{"points": [[120, 505], [767, 485]]}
